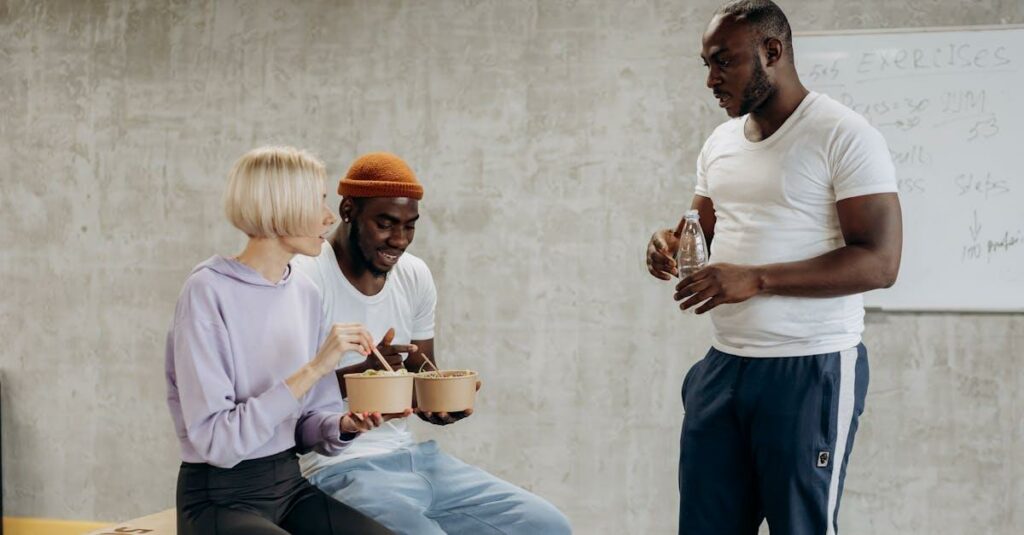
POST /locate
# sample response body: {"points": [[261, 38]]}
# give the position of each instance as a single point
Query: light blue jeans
{"points": [[422, 491]]}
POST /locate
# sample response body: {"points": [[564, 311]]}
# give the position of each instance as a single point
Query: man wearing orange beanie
{"points": [[366, 276]]}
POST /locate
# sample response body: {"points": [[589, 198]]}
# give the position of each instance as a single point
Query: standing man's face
{"points": [[736, 75], [381, 229]]}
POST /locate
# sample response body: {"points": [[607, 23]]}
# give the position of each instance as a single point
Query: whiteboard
{"points": [[950, 103]]}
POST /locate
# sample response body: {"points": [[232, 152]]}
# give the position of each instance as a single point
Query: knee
{"points": [[541, 517], [555, 523]]}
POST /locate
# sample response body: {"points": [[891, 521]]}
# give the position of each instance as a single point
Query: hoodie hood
{"points": [[234, 269]]}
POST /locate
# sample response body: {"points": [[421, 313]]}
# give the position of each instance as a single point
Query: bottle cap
{"points": [[692, 214]]}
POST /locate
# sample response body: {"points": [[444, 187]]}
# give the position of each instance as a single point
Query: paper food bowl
{"points": [[446, 390], [383, 392]]}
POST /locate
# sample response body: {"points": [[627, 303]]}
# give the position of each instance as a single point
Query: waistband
{"points": [[289, 454]]}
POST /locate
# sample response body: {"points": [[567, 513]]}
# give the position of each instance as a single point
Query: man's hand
{"points": [[445, 418], [717, 284], [391, 353], [661, 254]]}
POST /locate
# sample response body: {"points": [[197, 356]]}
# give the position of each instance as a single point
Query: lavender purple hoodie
{"points": [[235, 338]]}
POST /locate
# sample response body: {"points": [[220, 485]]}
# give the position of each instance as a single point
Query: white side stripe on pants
{"points": [[847, 387]]}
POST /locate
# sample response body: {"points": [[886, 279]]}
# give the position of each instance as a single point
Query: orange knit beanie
{"points": [[380, 174]]}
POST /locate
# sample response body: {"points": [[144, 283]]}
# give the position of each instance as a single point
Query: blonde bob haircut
{"points": [[275, 192]]}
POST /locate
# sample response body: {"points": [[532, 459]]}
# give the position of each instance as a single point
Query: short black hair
{"points": [[764, 16]]}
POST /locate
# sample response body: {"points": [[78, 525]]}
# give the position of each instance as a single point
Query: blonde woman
{"points": [[250, 368]]}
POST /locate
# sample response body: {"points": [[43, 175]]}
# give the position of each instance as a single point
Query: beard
{"points": [[360, 256], [758, 89]]}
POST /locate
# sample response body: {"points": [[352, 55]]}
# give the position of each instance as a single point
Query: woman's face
{"points": [[310, 244]]}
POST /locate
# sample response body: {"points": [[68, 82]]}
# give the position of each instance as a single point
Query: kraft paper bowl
{"points": [[386, 394], [446, 390]]}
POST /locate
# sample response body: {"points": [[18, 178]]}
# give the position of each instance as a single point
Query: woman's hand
{"points": [[342, 337], [354, 423]]}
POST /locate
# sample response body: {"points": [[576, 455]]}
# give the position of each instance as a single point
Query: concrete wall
{"points": [[552, 137]]}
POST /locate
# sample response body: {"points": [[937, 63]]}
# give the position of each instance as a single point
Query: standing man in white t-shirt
{"points": [[365, 275], [797, 197]]}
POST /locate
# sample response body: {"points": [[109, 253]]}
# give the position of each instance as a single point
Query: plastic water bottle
{"points": [[693, 251]]}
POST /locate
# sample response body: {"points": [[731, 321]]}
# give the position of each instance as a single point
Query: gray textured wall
{"points": [[552, 136]]}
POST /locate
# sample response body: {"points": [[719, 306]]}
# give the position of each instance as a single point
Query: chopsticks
{"points": [[428, 362], [383, 360]]}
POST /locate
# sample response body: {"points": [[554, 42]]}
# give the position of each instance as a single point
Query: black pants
{"points": [[261, 496], [768, 439]]}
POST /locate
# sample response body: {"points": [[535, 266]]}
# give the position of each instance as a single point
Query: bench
{"points": [[162, 523]]}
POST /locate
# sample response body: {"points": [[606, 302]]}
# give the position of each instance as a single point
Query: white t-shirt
{"points": [[775, 201], [406, 303]]}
